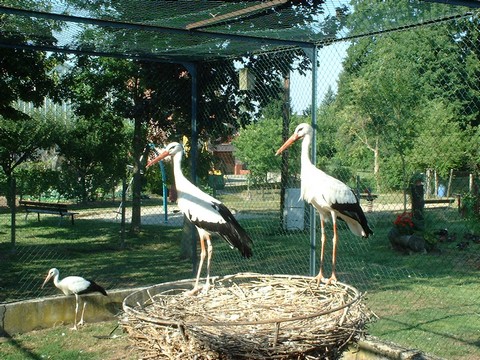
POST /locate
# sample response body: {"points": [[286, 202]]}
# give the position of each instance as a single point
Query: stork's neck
{"points": [[305, 156], [177, 168], [305, 167], [56, 279]]}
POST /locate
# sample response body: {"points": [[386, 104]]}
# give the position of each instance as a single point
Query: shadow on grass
{"points": [[421, 326], [91, 250], [20, 349]]}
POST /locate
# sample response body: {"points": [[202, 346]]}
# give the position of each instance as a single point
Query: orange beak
{"points": [[287, 143], [162, 156], [49, 276]]}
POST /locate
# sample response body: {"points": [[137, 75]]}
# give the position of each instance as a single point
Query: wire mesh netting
{"points": [[396, 116]]}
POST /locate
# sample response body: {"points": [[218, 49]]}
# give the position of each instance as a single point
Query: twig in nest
{"points": [[250, 316]]}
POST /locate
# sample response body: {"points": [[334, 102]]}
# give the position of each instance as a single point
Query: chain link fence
{"points": [[400, 135]]}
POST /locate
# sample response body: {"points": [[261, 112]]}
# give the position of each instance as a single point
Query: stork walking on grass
{"points": [[75, 285], [208, 214], [329, 196]]}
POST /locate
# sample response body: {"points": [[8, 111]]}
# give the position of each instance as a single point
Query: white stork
{"points": [[329, 196], [75, 285], [206, 213]]}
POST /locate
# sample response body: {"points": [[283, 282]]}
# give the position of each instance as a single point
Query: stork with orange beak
{"points": [[329, 196], [75, 285], [206, 213]]}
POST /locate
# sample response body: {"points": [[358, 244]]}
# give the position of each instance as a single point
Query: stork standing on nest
{"points": [[206, 213], [75, 285], [329, 196]]}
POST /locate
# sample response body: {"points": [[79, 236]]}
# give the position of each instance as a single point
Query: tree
{"points": [[27, 75], [94, 154], [145, 93], [394, 89], [21, 140], [255, 146], [437, 125]]}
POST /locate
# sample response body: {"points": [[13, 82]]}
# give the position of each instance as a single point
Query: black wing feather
{"points": [[93, 287], [231, 231], [355, 212]]}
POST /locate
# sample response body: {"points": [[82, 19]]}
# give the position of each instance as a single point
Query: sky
{"points": [[330, 60]]}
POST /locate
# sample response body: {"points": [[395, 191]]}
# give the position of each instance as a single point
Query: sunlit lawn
{"points": [[424, 301], [99, 341]]}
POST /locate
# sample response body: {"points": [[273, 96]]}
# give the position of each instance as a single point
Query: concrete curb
{"points": [[46, 312]]}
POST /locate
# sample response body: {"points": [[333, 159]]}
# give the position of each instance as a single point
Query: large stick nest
{"points": [[247, 316]]}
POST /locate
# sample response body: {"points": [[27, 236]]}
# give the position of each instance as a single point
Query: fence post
{"points": [[418, 203], [13, 210], [122, 220]]}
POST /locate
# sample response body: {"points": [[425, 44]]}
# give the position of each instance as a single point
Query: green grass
{"points": [[100, 341], [91, 249], [424, 301]]}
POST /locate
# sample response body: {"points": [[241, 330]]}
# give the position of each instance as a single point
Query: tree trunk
{"points": [[138, 149], [122, 222], [418, 204], [405, 182], [84, 189], [376, 166]]}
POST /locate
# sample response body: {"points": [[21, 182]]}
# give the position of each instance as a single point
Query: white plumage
{"points": [[74, 285], [329, 196], [206, 213]]}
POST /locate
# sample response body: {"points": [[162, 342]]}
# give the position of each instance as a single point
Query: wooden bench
{"points": [[46, 208], [368, 197], [448, 201]]}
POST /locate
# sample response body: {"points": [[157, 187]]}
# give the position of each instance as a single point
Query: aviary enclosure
{"points": [[393, 94]]}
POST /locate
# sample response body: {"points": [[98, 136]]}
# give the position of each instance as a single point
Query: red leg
{"points": [[209, 258], [333, 277], [323, 239], [77, 300], [203, 253]]}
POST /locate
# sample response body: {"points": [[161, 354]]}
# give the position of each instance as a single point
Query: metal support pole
{"points": [[164, 185], [13, 204], [312, 54], [192, 69], [122, 205], [165, 195]]}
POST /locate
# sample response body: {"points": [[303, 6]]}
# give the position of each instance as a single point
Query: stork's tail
{"points": [[94, 287], [235, 234], [242, 242]]}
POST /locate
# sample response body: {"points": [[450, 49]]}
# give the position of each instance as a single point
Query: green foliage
{"points": [[94, 153], [21, 139], [437, 125], [405, 96], [36, 179], [256, 145], [342, 173], [27, 75], [154, 180], [470, 210], [472, 158], [327, 130]]}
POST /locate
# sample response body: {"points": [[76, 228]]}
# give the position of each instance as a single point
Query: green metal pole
{"points": [[312, 54]]}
